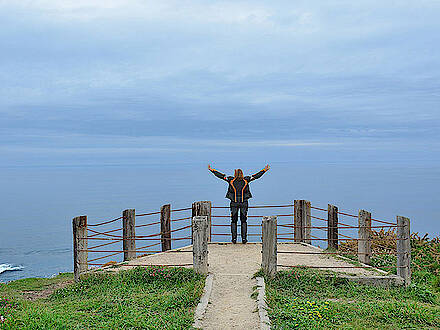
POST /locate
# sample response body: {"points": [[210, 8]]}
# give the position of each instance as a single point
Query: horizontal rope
{"points": [[144, 265], [148, 224], [345, 267], [126, 239], [147, 246], [105, 232], [326, 239], [183, 209], [385, 222], [229, 234], [144, 214], [181, 219], [349, 215], [104, 256], [179, 251], [345, 236], [254, 206], [103, 251], [313, 217], [140, 236], [341, 253], [265, 206], [103, 223], [345, 227], [318, 208], [101, 245]]}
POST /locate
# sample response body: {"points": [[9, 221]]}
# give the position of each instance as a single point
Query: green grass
{"points": [[310, 299], [142, 298]]}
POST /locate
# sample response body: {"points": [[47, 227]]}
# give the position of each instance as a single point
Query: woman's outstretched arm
{"points": [[217, 173], [260, 173]]}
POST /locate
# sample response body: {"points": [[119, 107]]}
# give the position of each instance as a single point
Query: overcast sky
{"points": [[108, 82]]}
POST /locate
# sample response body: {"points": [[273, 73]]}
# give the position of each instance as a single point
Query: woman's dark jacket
{"points": [[238, 190]]}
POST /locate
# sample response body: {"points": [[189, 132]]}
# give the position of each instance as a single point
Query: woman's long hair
{"points": [[238, 174]]}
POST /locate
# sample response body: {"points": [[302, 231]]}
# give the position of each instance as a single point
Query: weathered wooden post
{"points": [[404, 249], [269, 246], [165, 226], [203, 208], [128, 233], [364, 242], [332, 227], [298, 230], [200, 234], [79, 226], [302, 221], [308, 222]]}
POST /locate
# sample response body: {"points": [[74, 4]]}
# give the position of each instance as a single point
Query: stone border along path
{"points": [[232, 266]]}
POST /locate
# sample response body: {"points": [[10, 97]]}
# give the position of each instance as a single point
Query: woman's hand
{"points": [[209, 167], [267, 168]]}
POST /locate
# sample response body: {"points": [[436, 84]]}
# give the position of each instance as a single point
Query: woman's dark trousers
{"points": [[243, 207]]}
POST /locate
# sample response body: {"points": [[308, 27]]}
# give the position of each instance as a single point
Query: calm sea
{"points": [[37, 204]]}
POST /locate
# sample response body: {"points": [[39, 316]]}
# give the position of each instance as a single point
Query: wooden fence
{"points": [[295, 226]]}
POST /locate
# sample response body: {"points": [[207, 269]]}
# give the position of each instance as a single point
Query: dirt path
{"points": [[233, 265], [231, 304]]}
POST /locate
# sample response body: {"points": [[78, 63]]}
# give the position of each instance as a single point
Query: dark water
{"points": [[37, 204]]}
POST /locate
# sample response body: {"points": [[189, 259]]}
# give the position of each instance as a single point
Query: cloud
{"points": [[221, 70]]}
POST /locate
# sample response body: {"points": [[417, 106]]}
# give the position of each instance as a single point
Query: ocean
{"points": [[38, 203]]}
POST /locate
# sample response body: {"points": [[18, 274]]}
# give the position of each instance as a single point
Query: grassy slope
{"points": [[308, 299], [147, 298]]}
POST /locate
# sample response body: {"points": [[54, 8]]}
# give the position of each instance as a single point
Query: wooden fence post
{"points": [[308, 222], [364, 242], [128, 233], [200, 234], [203, 208], [298, 231], [269, 246], [302, 221], [404, 249], [79, 226], [332, 227], [165, 226]]}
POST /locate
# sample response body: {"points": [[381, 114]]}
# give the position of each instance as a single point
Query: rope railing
{"points": [[137, 236], [101, 245], [182, 209], [385, 222], [348, 215], [103, 223], [147, 246], [126, 239], [148, 224], [105, 232], [301, 220], [187, 218], [330, 253], [120, 251], [335, 267], [144, 265], [145, 214], [318, 208]]}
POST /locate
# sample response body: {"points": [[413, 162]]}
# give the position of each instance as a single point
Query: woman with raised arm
{"points": [[239, 193]]}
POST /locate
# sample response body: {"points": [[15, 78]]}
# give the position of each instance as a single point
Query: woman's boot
{"points": [[234, 232]]}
